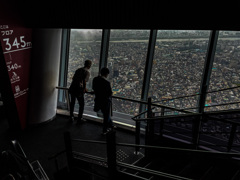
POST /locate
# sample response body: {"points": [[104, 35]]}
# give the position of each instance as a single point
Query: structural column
{"points": [[44, 75], [204, 85]]}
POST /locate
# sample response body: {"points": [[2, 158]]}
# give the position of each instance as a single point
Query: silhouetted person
{"points": [[78, 88], [103, 92]]}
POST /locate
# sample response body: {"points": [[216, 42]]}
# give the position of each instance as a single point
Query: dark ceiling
{"points": [[127, 14]]}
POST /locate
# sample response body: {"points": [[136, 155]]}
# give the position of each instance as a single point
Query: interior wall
{"points": [[44, 75], [16, 45]]}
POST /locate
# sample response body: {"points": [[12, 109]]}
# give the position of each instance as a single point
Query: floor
{"points": [[40, 143]]}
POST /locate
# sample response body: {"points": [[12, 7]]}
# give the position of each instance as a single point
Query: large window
{"points": [[225, 73], [126, 61], [84, 44], [178, 67]]}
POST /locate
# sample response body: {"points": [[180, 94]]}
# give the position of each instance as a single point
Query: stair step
{"points": [[195, 170], [141, 163], [236, 176], [222, 172]]}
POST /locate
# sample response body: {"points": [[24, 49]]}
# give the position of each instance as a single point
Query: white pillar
{"points": [[44, 75]]}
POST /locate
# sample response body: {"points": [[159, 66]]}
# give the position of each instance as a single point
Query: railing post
{"points": [[161, 123], [137, 136], [56, 164], [68, 99], [111, 153], [149, 129], [150, 122], [231, 138], [196, 131], [149, 108], [68, 146]]}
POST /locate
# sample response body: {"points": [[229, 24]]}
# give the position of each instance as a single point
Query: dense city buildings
{"points": [[177, 69]]}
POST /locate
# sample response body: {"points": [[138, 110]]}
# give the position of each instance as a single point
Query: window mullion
{"points": [[148, 68], [104, 48], [207, 70]]}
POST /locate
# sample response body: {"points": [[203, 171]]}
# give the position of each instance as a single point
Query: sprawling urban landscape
{"points": [[177, 70]]}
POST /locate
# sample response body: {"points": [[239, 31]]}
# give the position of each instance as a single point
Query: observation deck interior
{"points": [[44, 141], [185, 60]]}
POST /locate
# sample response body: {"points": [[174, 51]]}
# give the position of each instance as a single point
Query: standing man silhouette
{"points": [[78, 88], [103, 92]]}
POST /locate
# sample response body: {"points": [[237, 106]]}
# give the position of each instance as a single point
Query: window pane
{"points": [[84, 44], [178, 66], [126, 61], [225, 72]]}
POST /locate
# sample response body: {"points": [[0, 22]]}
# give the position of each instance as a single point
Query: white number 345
{"points": [[15, 43]]}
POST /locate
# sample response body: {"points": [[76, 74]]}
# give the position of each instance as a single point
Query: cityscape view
{"points": [[177, 70]]}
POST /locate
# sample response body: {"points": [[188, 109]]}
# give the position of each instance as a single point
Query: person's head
{"points": [[105, 71], [88, 64]]}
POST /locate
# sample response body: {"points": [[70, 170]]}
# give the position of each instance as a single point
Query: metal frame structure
{"points": [[205, 83], [213, 38], [64, 62], [148, 68], [104, 48]]}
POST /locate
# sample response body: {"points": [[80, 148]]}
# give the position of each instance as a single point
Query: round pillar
{"points": [[44, 75]]}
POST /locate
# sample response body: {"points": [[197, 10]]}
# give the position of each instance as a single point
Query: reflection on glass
{"points": [[84, 44], [225, 72], [178, 66], [126, 61]]}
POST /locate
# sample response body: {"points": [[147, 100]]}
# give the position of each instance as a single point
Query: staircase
{"points": [[188, 165], [167, 159]]}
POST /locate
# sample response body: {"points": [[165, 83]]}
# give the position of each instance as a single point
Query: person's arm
{"points": [[109, 89], [85, 83], [86, 80]]}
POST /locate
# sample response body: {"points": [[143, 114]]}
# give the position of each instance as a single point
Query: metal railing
{"points": [[123, 98], [198, 94], [203, 117], [137, 122], [149, 131], [111, 162]]}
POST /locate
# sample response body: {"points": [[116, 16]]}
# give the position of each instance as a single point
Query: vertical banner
{"points": [[16, 44]]}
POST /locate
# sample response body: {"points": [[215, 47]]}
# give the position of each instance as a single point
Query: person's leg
{"points": [[110, 123], [105, 119], [81, 107], [72, 103]]}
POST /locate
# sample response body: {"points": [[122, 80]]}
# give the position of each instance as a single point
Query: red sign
{"points": [[17, 44]]}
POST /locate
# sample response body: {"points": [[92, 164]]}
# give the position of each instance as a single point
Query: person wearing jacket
{"points": [[103, 92]]}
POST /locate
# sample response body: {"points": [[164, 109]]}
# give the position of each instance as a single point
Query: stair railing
{"points": [[151, 117], [112, 162]]}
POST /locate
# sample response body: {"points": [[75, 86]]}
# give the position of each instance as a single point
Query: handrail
{"points": [[153, 172], [180, 97], [56, 155], [168, 149], [167, 107], [224, 104], [138, 101], [128, 99], [142, 113], [223, 89], [206, 114], [96, 158], [111, 144], [161, 148], [171, 108], [168, 117], [64, 88], [89, 157], [89, 141], [141, 169]]}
